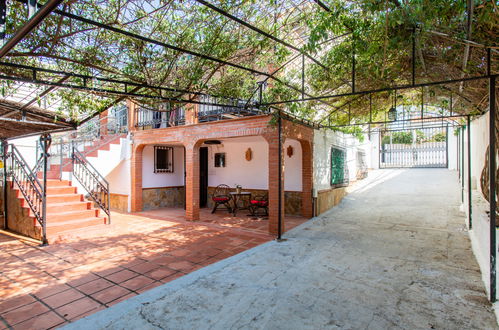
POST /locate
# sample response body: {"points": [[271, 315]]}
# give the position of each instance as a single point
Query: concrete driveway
{"points": [[394, 254]]}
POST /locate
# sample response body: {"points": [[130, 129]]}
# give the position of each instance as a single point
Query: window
{"points": [[163, 159], [220, 159], [339, 170]]}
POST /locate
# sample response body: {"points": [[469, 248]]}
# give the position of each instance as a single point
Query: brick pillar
{"points": [[273, 141], [191, 113], [136, 178], [192, 181], [103, 122], [306, 178], [132, 118]]}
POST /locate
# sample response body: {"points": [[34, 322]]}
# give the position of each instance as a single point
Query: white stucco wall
{"points": [[323, 141], [157, 180], [253, 174], [27, 148], [479, 234], [293, 166], [452, 149]]}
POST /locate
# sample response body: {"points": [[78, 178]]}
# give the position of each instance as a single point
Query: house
{"points": [[167, 157]]}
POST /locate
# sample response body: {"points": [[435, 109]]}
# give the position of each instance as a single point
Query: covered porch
{"points": [[240, 152]]}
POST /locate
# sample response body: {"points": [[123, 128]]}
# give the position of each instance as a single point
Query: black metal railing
{"points": [[93, 182], [211, 109], [29, 185], [166, 116]]}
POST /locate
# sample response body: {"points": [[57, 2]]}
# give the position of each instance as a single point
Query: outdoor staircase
{"points": [[67, 210], [102, 143]]}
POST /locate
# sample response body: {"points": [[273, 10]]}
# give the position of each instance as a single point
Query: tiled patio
{"points": [[81, 274]]}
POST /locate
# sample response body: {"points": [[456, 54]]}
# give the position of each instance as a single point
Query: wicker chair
{"points": [[259, 202], [221, 196]]}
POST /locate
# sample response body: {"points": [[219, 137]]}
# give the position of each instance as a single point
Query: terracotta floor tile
{"points": [[128, 296], [144, 267], [146, 242], [121, 276], [90, 312], [112, 293], [83, 279], [160, 273], [149, 287], [25, 312], [51, 290], [15, 302], [94, 286], [63, 298], [164, 260], [43, 321], [137, 283], [108, 271], [78, 307], [181, 265], [179, 252], [172, 277]]}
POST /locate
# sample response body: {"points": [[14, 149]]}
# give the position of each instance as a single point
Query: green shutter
{"points": [[338, 166]]}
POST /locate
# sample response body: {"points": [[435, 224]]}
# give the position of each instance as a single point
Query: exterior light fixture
{"points": [[392, 114]]}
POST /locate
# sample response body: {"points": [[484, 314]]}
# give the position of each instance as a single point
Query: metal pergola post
{"points": [[470, 221], [45, 139], [492, 185], [462, 165], [279, 181], [5, 150]]}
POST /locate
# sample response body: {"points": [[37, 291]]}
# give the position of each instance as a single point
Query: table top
{"points": [[241, 193]]}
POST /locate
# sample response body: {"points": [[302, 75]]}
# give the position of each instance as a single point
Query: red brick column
{"points": [[136, 178], [192, 181], [191, 113], [103, 122], [306, 178], [131, 106], [273, 141]]}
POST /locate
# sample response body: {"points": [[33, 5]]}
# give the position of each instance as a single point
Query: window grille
{"points": [[163, 159]]}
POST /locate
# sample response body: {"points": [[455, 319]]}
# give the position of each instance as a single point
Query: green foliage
{"points": [[404, 137], [379, 33], [439, 137]]}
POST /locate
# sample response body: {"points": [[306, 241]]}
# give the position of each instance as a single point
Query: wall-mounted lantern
{"points": [[249, 154], [392, 114], [289, 151]]}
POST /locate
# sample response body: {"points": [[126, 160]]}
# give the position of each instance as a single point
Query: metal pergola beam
{"points": [[179, 49], [125, 83], [260, 31], [380, 90], [422, 120], [104, 91], [29, 26]]}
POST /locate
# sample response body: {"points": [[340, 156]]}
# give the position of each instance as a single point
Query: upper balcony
{"points": [[212, 109]]}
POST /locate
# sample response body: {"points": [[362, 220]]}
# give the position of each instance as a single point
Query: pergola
{"points": [[286, 86]]}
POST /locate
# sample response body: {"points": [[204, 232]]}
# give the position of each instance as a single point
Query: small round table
{"points": [[243, 196]]}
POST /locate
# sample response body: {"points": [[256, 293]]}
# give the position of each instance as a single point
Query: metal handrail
{"points": [[28, 184], [92, 181]]}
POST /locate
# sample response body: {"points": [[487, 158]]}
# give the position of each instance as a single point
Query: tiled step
{"points": [[51, 175], [64, 198], [58, 227], [76, 234], [71, 206], [71, 215], [61, 190], [58, 183]]}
